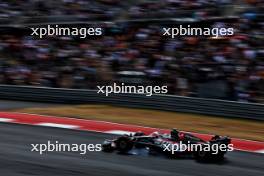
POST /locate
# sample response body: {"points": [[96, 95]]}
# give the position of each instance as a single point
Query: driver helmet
{"points": [[155, 134], [174, 133]]}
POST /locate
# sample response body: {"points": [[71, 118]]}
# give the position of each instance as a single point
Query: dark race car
{"points": [[174, 145]]}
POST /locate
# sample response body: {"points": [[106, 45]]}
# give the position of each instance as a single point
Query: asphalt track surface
{"points": [[16, 158]]}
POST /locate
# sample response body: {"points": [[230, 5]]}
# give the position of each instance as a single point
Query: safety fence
{"points": [[157, 102]]}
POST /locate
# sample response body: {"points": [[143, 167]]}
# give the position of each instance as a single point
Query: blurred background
{"points": [[47, 77], [132, 49]]}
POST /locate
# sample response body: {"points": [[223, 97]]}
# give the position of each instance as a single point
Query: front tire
{"points": [[201, 155]]}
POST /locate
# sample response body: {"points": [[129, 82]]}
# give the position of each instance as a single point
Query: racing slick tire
{"points": [[201, 155], [107, 147], [205, 156], [124, 144], [218, 157]]}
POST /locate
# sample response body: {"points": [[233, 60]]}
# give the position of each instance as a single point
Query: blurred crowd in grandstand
{"points": [[29, 8], [13, 8], [111, 8], [181, 63]]}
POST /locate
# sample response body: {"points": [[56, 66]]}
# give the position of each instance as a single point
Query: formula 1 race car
{"points": [[174, 145]]}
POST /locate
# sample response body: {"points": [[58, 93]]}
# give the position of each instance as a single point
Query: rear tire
{"points": [[201, 155], [124, 144], [219, 157], [107, 147]]}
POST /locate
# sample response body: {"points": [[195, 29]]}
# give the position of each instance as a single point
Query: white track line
{"points": [[56, 125], [260, 151], [6, 120], [119, 132]]}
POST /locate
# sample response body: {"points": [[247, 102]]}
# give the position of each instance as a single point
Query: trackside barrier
{"points": [[158, 102]]}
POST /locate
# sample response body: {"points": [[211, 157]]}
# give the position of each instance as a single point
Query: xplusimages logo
{"points": [[56, 30], [188, 30], [206, 147], [56, 146], [128, 89]]}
